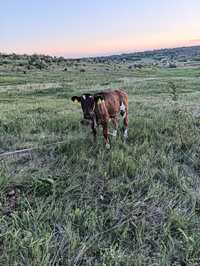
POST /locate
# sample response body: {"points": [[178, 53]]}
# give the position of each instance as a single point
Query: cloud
{"points": [[194, 42]]}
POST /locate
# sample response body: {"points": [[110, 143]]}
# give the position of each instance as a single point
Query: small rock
{"points": [[101, 197], [11, 193]]}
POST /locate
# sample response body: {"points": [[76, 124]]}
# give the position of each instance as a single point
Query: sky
{"points": [[79, 28]]}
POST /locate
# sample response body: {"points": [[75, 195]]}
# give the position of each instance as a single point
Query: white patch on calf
{"points": [[122, 108], [84, 98]]}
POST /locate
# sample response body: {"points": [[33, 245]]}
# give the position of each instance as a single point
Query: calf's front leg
{"points": [[105, 134], [94, 131]]}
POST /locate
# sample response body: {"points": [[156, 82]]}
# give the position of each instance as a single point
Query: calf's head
{"points": [[87, 102]]}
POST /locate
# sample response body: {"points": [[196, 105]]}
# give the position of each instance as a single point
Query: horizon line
{"points": [[108, 54]]}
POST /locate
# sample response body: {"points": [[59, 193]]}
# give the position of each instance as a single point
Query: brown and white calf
{"points": [[100, 108]]}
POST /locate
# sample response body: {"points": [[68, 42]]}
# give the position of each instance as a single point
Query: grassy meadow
{"points": [[76, 203]]}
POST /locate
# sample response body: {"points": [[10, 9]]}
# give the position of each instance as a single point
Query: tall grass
{"points": [[76, 203]]}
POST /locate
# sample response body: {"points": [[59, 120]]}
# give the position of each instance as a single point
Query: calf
{"points": [[100, 108]]}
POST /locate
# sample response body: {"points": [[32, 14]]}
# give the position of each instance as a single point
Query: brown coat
{"points": [[104, 106]]}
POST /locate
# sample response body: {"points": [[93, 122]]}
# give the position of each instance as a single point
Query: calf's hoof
{"points": [[125, 134], [114, 133], [107, 146], [85, 122]]}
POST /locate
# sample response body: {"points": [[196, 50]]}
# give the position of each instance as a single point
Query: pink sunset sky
{"points": [[88, 28]]}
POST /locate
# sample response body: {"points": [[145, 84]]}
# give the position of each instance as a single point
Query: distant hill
{"points": [[187, 53], [158, 57]]}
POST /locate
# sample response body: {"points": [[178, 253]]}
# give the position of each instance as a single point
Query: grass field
{"points": [[76, 203]]}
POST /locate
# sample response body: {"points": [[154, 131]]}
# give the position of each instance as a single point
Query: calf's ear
{"points": [[98, 98], [76, 98]]}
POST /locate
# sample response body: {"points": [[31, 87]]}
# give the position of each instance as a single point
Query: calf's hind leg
{"points": [[125, 117], [126, 126]]}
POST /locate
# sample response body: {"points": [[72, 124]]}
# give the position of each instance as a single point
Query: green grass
{"points": [[76, 203]]}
